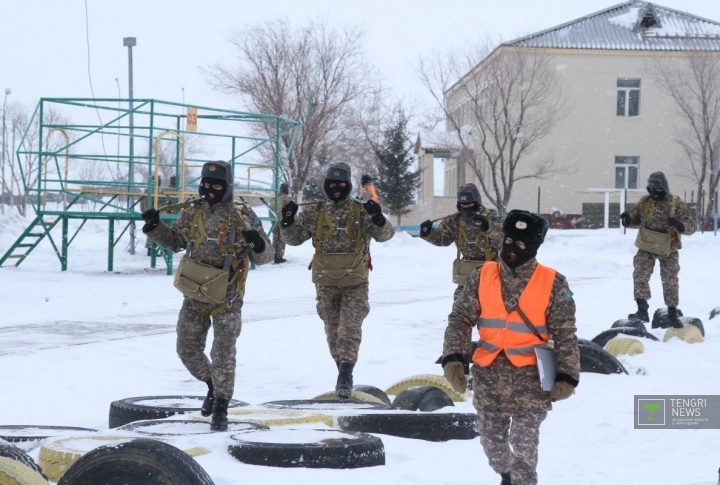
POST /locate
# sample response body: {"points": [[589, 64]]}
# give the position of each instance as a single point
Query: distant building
{"points": [[620, 124]]}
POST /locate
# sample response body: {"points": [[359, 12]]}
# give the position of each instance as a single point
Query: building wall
{"points": [[591, 135]]}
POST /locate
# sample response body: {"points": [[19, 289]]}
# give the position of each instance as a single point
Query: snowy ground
{"points": [[72, 342]]}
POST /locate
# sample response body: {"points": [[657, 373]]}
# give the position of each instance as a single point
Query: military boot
{"points": [[505, 479], [642, 312], [209, 402], [344, 380], [219, 420], [673, 317]]}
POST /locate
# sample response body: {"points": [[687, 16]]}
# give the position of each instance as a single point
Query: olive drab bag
{"points": [[201, 282], [658, 243], [340, 269], [462, 268]]}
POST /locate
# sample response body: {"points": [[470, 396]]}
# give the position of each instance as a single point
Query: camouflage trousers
{"points": [[473, 334], [644, 264], [343, 309], [192, 331], [278, 244], [511, 444]]}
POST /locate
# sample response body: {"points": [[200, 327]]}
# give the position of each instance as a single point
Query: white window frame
{"points": [[624, 88], [626, 162]]}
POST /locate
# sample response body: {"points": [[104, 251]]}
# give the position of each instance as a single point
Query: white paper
{"points": [[547, 367]]}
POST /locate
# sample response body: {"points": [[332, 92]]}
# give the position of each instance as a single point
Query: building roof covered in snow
{"points": [[447, 142], [633, 25]]}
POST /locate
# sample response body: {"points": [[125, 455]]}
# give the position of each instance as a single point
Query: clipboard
{"points": [[547, 367]]}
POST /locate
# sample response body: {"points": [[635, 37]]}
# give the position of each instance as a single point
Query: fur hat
{"points": [[469, 193], [525, 226], [658, 180], [366, 179], [338, 171], [216, 170]]}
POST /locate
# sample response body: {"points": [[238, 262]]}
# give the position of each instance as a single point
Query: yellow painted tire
{"points": [[15, 473], [426, 380], [354, 396], [274, 417], [57, 456], [689, 333], [624, 346]]}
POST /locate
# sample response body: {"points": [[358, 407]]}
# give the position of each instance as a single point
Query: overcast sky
{"points": [[44, 46]]}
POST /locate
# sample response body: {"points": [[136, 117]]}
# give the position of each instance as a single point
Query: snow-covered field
{"points": [[72, 342]]}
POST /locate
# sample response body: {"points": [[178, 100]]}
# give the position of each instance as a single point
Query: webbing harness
{"points": [[482, 243], [353, 228], [226, 243], [649, 209]]}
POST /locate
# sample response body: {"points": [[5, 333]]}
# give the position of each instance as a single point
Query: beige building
{"points": [[619, 126]]}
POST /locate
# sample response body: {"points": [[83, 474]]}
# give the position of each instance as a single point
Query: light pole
{"points": [[130, 42], [2, 156], [119, 174]]}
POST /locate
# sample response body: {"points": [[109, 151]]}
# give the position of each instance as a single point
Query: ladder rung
{"points": [[24, 245], [35, 234], [17, 256]]}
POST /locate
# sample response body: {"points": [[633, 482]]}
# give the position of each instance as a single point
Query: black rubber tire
{"points": [[422, 398], [127, 410], [604, 337], [137, 461], [8, 450], [21, 433], [694, 321], [163, 427], [421, 426], [374, 391], [596, 359], [319, 405], [349, 450], [626, 322]]}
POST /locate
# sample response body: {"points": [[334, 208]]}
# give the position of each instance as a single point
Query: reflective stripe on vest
{"points": [[500, 331]]}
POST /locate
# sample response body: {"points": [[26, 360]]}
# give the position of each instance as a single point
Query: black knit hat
{"points": [[525, 226], [365, 179]]}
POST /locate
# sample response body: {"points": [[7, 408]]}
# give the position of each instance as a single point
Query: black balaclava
{"points": [[520, 225], [337, 173], [216, 173], [466, 194], [513, 256], [657, 187]]}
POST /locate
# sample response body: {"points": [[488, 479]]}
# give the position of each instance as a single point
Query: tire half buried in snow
{"points": [[308, 448]]}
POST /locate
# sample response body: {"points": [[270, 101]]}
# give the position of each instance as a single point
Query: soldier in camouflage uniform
{"points": [[475, 229], [277, 240], [207, 235], [343, 226], [660, 212], [517, 304]]}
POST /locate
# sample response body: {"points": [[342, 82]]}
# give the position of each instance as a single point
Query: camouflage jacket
{"points": [[654, 216], [340, 241], [502, 386], [215, 219], [448, 232]]}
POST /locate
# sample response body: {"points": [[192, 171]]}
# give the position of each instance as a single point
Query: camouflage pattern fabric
{"points": [[644, 264], [448, 230], [278, 243], [192, 327], [511, 444], [342, 309], [503, 392]]}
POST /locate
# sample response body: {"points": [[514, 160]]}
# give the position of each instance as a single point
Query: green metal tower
{"points": [[75, 167]]}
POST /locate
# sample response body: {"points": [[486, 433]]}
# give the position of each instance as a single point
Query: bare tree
{"points": [[693, 83], [23, 170], [500, 102], [283, 70]]}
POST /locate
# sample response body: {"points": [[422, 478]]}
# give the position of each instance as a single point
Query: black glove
{"points": [[481, 221], [674, 222], [625, 219], [151, 218], [426, 228], [288, 214], [375, 211], [255, 240]]}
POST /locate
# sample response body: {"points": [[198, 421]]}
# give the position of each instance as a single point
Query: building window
{"points": [[626, 172], [628, 97]]}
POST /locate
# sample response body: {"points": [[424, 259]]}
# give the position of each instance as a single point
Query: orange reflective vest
{"points": [[500, 331], [373, 192]]}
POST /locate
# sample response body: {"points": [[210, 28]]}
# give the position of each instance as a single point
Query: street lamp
{"points": [[2, 156], [130, 42]]}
